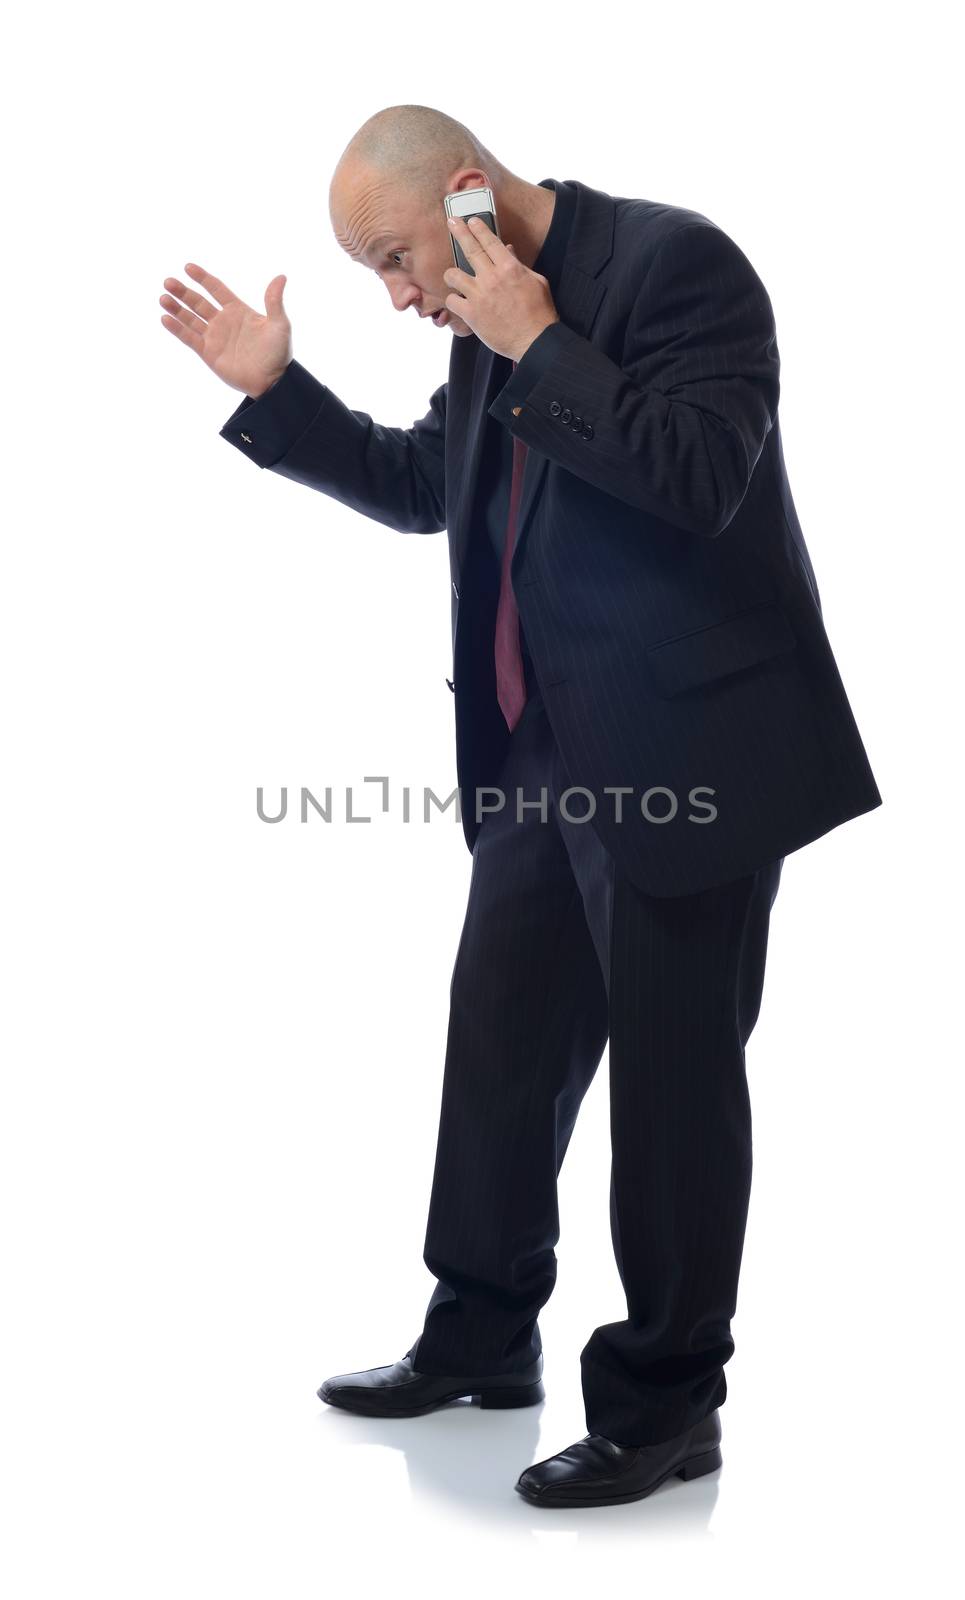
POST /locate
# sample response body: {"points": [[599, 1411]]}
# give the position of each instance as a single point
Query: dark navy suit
{"points": [[676, 653]]}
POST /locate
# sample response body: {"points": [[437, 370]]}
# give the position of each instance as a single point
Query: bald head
{"points": [[414, 147]]}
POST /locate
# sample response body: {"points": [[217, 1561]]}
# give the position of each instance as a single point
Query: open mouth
{"points": [[440, 317]]}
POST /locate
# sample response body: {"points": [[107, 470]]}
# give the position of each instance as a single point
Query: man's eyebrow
{"points": [[382, 239]]}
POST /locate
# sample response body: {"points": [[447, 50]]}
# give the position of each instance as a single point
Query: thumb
{"points": [[273, 294]]}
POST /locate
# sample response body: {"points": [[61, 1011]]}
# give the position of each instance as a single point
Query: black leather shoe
{"points": [[400, 1391], [598, 1472]]}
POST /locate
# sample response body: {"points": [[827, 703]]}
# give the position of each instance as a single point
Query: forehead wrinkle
{"points": [[366, 209]]}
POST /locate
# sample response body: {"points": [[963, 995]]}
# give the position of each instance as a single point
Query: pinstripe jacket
{"points": [[662, 578]]}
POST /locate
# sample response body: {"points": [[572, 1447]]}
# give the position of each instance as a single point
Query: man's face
{"points": [[402, 237]]}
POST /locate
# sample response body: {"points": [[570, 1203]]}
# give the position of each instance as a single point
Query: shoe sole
{"points": [[489, 1400], [696, 1467]]}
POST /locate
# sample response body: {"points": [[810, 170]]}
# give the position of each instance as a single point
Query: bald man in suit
{"points": [[649, 718]]}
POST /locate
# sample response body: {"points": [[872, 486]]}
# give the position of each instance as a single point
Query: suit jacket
{"points": [[662, 578]]}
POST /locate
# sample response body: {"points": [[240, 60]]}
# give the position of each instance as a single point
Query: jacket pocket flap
{"points": [[720, 648]]}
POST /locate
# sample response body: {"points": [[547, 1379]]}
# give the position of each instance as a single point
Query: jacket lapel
{"points": [[578, 298]]}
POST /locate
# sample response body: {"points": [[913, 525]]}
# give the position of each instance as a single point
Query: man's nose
{"points": [[402, 295]]}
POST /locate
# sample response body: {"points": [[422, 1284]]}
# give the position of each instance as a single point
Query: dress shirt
{"points": [[497, 465]]}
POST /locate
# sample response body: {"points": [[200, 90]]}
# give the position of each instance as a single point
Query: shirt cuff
{"points": [[534, 362], [266, 428]]}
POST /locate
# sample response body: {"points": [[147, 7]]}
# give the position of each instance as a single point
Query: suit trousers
{"points": [[560, 953]]}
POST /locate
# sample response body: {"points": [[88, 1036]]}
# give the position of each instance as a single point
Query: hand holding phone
{"points": [[506, 309]]}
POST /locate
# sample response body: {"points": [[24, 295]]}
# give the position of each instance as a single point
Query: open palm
{"points": [[247, 350]]}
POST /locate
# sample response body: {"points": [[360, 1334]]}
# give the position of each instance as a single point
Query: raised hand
{"points": [[248, 351]]}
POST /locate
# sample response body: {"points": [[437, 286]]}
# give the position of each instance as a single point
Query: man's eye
{"points": [[393, 253]]}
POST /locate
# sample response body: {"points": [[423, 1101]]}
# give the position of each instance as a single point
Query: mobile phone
{"points": [[468, 203]]}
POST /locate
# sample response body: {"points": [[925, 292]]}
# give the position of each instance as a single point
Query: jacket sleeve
{"points": [[675, 427], [300, 429]]}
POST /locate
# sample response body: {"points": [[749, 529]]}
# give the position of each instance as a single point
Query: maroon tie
{"points": [[510, 677]]}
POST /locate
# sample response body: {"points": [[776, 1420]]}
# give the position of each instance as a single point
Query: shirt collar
{"points": [[552, 251]]}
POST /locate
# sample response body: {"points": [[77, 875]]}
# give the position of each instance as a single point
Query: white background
{"points": [[225, 1041]]}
